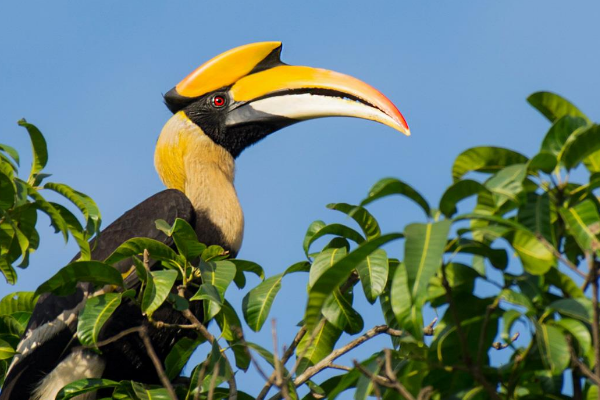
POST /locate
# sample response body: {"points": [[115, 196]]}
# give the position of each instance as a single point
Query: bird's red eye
{"points": [[218, 101]]}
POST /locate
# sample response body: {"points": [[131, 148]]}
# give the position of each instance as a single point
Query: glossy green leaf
{"points": [[323, 261], [391, 186], [582, 145], [6, 350], [363, 218], [536, 258], [497, 257], [459, 191], [8, 271], [144, 393], [373, 273], [583, 222], [553, 348], [364, 385], [84, 203], [339, 312], [509, 318], [136, 246], [542, 161], [245, 266], [56, 219], [333, 277], [76, 231], [485, 159], [179, 356], [257, 303], [40, 150], [7, 192], [96, 272], [184, 236], [579, 331], [553, 106], [407, 315], [559, 133], [423, 250], [322, 345], [94, 315], [83, 386], [11, 151], [535, 215], [213, 300], [333, 229], [158, 287], [218, 273], [18, 302], [517, 298], [508, 182], [580, 309]]}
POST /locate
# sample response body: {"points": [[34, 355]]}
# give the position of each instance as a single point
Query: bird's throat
{"points": [[188, 160]]}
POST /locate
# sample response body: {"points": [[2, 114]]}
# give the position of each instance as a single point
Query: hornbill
{"points": [[224, 106]]}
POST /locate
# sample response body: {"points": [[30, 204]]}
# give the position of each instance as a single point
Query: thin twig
{"points": [[340, 367], [280, 381], [213, 382], [488, 313], [143, 332], [389, 372], [200, 379], [428, 330], [582, 367], [118, 336]]}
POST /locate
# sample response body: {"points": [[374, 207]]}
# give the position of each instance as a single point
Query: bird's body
{"points": [[224, 106]]}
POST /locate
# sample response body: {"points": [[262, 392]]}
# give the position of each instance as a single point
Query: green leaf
{"points": [[579, 331], [584, 142], [11, 151], [179, 356], [583, 222], [144, 393], [158, 287], [407, 315], [553, 348], [184, 236], [535, 215], [40, 151], [96, 272], [339, 312], [580, 309], [542, 161], [324, 261], [517, 298], [84, 203], [553, 106], [564, 283], [257, 303], [507, 183], [136, 246], [389, 186], [245, 266], [7, 192], [6, 350], [337, 274], [459, 191], [8, 271], [212, 305], [322, 345], [94, 315], [559, 133], [18, 302], [423, 251], [332, 229], [508, 320], [537, 259], [497, 257], [363, 218], [364, 385], [57, 221], [83, 386], [485, 159], [76, 231], [218, 273], [373, 273]]}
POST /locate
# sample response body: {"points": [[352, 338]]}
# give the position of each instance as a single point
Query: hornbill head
{"points": [[246, 93]]}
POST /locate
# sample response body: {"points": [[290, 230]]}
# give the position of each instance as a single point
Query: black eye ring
{"points": [[218, 101]]}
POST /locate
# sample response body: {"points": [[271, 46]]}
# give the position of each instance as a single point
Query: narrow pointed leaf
{"points": [[339, 312], [553, 348], [373, 273], [459, 191], [94, 315], [553, 106], [257, 303], [11, 151], [560, 132], [323, 261], [337, 274], [7, 192], [96, 272], [179, 356], [220, 274], [83, 386], [423, 250], [158, 287], [485, 159], [17, 302], [321, 346], [363, 218], [585, 142], [40, 150], [535, 215], [391, 186], [334, 229], [583, 222], [84, 203], [133, 247]]}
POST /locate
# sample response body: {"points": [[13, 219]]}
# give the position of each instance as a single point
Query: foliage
{"points": [[527, 234]]}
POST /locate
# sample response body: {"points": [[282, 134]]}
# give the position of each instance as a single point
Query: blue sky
{"points": [[91, 74]]}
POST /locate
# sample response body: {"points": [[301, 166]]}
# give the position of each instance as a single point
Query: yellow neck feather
{"points": [[188, 160]]}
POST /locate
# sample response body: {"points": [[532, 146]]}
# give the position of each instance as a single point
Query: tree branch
{"points": [[164, 380]]}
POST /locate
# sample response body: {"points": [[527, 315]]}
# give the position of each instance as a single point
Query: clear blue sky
{"points": [[91, 74]]}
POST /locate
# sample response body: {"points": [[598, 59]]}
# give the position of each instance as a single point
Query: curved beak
{"points": [[301, 93], [263, 89]]}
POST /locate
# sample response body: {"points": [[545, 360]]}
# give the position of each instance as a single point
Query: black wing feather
{"points": [[137, 222]]}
